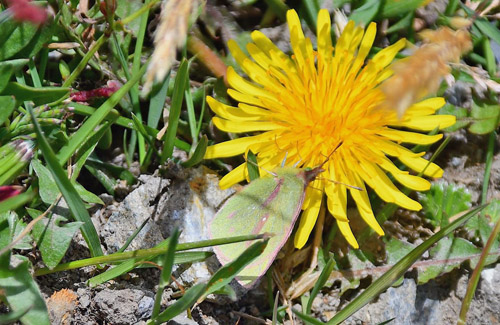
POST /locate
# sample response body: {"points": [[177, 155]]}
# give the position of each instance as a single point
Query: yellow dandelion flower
{"points": [[307, 104]]}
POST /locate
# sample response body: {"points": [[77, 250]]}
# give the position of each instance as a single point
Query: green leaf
{"points": [[75, 203], [7, 104], [175, 111], [446, 256], [461, 114], [48, 189], [22, 292], [323, 278], [252, 166], [42, 37], [53, 236], [485, 117], [186, 301], [166, 272], [39, 96], [365, 14], [5, 75], [386, 280], [14, 316], [395, 8], [198, 153], [16, 227], [443, 201], [488, 29], [17, 39]]}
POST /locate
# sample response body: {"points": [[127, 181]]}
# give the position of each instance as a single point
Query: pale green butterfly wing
{"points": [[266, 205]]}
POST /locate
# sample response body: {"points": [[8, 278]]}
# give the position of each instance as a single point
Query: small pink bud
{"points": [[9, 191]]}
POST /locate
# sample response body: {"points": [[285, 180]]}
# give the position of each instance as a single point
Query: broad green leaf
{"points": [[49, 190], [22, 292], [39, 96], [41, 38], [443, 201], [396, 250], [7, 106], [53, 236], [485, 117], [365, 14], [16, 226], [75, 203], [447, 255], [86, 195], [17, 39], [5, 75]]}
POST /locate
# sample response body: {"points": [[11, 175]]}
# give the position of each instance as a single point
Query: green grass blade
{"points": [[323, 277], [144, 253], [157, 103], [168, 263], [308, 319], [175, 111], [189, 298], [474, 279], [75, 203], [386, 280], [87, 128]]}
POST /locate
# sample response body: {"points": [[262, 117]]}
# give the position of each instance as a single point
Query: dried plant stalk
{"points": [[170, 35], [421, 73]]}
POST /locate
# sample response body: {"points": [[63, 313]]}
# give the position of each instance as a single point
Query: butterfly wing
{"points": [[266, 205]]}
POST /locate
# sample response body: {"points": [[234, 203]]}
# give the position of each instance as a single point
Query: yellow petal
{"points": [[259, 56], [409, 137], [323, 31], [363, 204], [244, 86], [426, 107], [429, 123], [234, 177], [418, 164], [307, 221], [247, 126], [384, 57], [237, 146], [412, 182], [232, 113], [277, 56], [245, 98], [347, 233], [337, 196]]}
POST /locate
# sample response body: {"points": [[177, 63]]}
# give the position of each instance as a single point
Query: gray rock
{"points": [[120, 306]]}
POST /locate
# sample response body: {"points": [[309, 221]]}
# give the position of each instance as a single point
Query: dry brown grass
{"points": [[421, 73]]}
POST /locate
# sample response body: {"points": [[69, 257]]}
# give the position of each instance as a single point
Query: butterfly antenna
{"points": [[330, 154]]}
